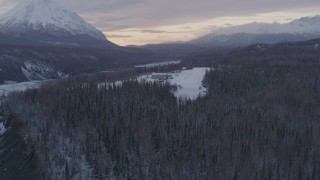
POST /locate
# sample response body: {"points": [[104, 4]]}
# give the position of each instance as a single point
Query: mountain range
{"points": [[234, 36]]}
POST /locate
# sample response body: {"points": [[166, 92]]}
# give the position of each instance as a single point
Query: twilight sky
{"points": [[154, 21]]}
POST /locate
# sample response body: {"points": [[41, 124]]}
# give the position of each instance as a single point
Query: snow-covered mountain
{"points": [[297, 30], [46, 21], [40, 39]]}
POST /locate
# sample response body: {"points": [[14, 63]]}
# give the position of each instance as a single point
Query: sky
{"points": [[138, 22]]}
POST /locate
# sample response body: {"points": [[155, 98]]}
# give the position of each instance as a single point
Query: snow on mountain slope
{"points": [[298, 26], [46, 16], [254, 28], [298, 30], [40, 71]]}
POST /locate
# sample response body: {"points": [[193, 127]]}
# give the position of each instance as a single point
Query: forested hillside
{"points": [[257, 122], [306, 53], [22, 63]]}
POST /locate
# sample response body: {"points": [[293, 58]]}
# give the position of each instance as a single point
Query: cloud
{"points": [[211, 27], [118, 36], [121, 14], [155, 31], [152, 31], [6, 5], [187, 27]]}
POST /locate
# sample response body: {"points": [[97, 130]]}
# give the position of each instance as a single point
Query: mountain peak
{"points": [[46, 16], [308, 20], [298, 26]]}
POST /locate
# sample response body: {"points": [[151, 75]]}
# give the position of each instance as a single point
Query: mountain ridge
{"points": [[47, 17], [301, 29]]}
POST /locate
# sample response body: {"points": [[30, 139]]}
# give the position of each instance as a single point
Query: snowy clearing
{"points": [[189, 82], [158, 64], [18, 87]]}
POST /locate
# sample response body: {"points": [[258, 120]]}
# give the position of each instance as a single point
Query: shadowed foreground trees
{"points": [[256, 123]]}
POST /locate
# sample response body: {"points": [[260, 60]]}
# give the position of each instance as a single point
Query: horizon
{"points": [[121, 24]]}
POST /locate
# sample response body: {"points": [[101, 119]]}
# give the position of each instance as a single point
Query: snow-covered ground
{"points": [[17, 87], [117, 83], [189, 82], [157, 64]]}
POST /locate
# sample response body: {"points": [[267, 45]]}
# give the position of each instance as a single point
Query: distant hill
{"points": [[177, 50], [23, 63], [284, 53]]}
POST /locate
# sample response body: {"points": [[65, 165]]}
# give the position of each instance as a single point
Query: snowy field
{"points": [[17, 87], [189, 82], [157, 64]]}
